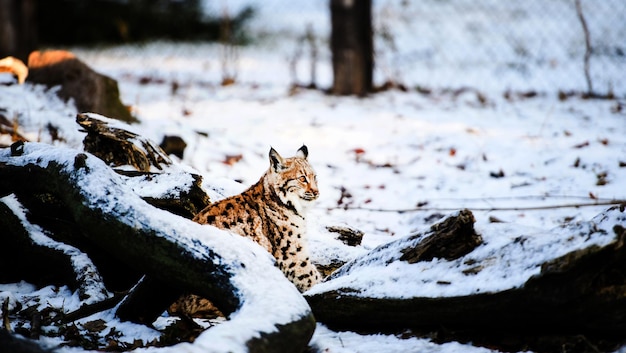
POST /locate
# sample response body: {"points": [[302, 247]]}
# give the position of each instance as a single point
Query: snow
{"points": [[35, 109], [325, 340], [391, 151], [161, 185]]}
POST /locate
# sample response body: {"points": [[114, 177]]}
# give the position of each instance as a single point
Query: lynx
{"points": [[272, 212]]}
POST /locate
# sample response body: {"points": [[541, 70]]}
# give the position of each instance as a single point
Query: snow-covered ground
{"points": [[425, 154]]}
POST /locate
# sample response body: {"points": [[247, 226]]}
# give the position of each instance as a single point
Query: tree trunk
{"points": [[352, 47], [18, 28]]}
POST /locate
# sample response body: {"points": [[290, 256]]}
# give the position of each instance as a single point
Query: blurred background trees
{"points": [[27, 24], [460, 48], [18, 28]]}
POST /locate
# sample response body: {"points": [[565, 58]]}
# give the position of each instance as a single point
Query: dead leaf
{"points": [[602, 179], [232, 159], [581, 145], [493, 219], [568, 219], [473, 270], [112, 346], [95, 325], [228, 81], [345, 195], [498, 174], [358, 152]]}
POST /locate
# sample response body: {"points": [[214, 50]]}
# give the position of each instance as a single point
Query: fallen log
{"points": [[579, 293], [184, 255]]}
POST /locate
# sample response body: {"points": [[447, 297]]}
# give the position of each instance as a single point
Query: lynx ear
{"points": [[303, 152], [276, 161]]}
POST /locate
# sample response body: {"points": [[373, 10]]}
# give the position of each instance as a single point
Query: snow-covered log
{"points": [[265, 311], [178, 192], [518, 282]]}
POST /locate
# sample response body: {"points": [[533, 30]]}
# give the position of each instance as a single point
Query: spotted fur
{"points": [[272, 212]]}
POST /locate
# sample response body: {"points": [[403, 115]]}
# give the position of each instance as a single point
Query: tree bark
{"points": [[352, 47], [120, 147]]}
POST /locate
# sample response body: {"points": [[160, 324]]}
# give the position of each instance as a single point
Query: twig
{"points": [[5, 315], [447, 209], [583, 22], [229, 53], [35, 323], [310, 38], [524, 197], [90, 309]]}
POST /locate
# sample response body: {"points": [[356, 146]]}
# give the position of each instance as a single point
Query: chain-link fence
{"points": [[495, 45]]}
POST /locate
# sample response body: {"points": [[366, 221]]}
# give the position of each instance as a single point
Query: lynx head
{"points": [[293, 179]]}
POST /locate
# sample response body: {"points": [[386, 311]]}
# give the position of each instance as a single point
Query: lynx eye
{"points": [[303, 179]]}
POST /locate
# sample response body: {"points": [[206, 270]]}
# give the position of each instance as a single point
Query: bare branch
{"points": [[5, 315], [621, 203], [583, 22]]}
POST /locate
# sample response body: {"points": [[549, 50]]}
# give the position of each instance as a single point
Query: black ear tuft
{"points": [[276, 161], [303, 152]]}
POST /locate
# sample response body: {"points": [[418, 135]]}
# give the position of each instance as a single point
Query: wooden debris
{"points": [[119, 147]]}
